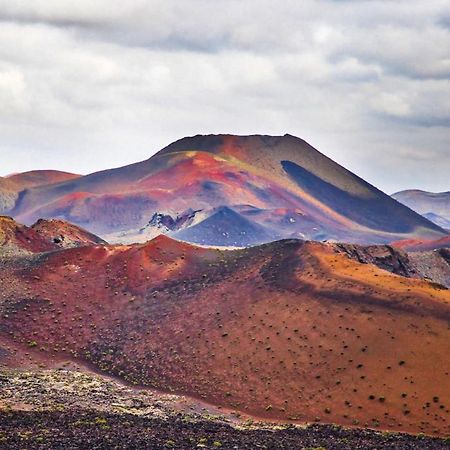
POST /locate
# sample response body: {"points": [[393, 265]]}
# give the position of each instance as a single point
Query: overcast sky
{"points": [[93, 84]]}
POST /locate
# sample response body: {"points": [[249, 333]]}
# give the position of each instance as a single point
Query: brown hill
{"points": [[204, 172], [289, 330], [12, 185], [35, 178]]}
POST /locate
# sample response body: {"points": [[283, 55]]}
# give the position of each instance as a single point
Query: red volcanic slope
{"points": [[416, 245], [196, 180], [204, 172], [34, 178], [290, 330]]}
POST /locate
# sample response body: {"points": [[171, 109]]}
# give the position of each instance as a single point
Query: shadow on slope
{"points": [[378, 211]]}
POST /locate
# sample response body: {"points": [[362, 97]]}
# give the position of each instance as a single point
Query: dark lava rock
{"points": [[91, 430]]}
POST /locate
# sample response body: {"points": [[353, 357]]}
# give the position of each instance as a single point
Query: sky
{"points": [[88, 85]]}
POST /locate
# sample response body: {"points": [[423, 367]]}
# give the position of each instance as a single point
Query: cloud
{"points": [[89, 85]]}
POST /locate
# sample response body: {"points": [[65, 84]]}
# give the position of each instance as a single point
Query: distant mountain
{"points": [[434, 206], [269, 174], [35, 178], [12, 185]]}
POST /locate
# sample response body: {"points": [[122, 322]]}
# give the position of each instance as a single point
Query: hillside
{"points": [[12, 185], [64, 234], [35, 178], [417, 245], [16, 238], [270, 173], [8, 194], [43, 236], [290, 330]]}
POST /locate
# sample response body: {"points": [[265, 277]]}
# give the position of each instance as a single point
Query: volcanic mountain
{"points": [[433, 206], [291, 330], [267, 173]]}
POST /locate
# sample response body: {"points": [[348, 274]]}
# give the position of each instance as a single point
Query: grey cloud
{"points": [[87, 85]]}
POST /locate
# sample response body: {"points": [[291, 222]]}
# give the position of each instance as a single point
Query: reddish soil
{"points": [[416, 245], [289, 331]]}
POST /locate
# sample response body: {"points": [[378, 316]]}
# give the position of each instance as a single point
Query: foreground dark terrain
{"points": [[74, 429]]}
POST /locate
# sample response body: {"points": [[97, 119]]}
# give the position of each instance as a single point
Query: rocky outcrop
{"points": [[432, 265], [167, 223], [383, 256]]}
